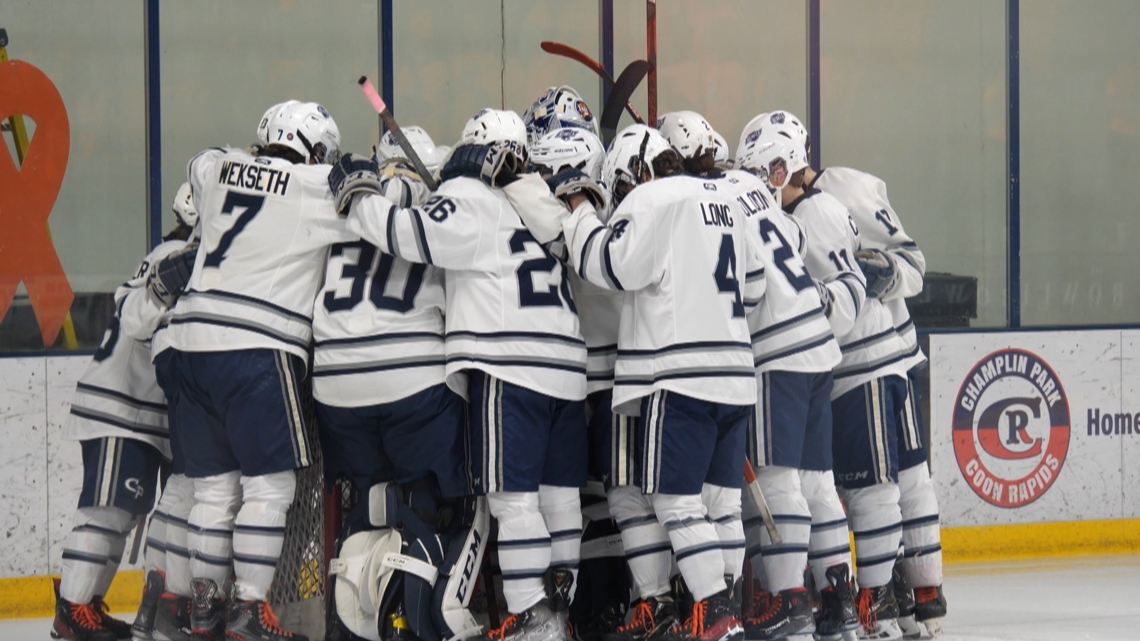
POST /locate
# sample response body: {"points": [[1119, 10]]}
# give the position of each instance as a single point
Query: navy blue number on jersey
{"points": [[841, 260], [374, 273], [725, 275], [528, 297], [250, 204], [783, 254], [883, 217], [112, 335]]}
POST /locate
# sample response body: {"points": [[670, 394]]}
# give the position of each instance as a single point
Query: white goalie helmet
{"points": [[783, 122], [557, 150], [631, 154], [425, 147], [495, 125], [688, 132], [183, 206], [774, 158], [559, 108], [307, 128]]}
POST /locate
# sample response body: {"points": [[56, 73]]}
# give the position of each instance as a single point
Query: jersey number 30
{"points": [[373, 272]]}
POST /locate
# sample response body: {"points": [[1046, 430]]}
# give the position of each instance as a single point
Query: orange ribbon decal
{"points": [[27, 196]]}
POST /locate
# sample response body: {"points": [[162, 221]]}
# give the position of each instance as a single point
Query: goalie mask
{"points": [[775, 159], [559, 108], [183, 207], [424, 146], [638, 154], [495, 125], [306, 128], [557, 150], [776, 122]]}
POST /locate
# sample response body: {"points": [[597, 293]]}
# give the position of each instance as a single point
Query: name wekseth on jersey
{"points": [[270, 181]]}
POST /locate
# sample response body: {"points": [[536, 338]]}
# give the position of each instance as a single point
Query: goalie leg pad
{"points": [[461, 568]]}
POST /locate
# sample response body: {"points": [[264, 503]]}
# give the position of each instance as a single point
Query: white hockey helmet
{"points": [[307, 128], [720, 156], [774, 158], [495, 125], [559, 108], [422, 143], [782, 122], [630, 157], [263, 126], [562, 148], [688, 132], [184, 210]]}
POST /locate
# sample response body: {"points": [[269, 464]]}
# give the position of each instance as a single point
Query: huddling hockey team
{"points": [[590, 347]]}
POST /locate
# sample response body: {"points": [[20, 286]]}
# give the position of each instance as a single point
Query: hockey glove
{"points": [[825, 297], [353, 175], [497, 164], [570, 181], [167, 278], [880, 269]]}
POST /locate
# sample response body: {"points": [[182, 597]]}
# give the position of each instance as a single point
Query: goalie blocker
{"points": [[429, 567]]}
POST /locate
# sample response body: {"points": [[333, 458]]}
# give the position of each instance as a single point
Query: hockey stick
{"points": [[651, 56], [761, 504], [566, 51], [623, 88], [389, 123]]}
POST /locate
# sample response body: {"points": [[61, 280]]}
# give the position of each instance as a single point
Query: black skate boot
{"points": [[713, 619], [652, 619], [79, 622], [120, 628], [838, 617], [172, 618], [255, 621], [143, 627], [904, 597], [207, 611], [878, 613], [930, 608], [559, 584], [539, 622], [788, 615], [608, 621]]}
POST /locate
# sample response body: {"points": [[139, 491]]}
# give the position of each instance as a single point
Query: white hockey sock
{"points": [[561, 509], [877, 524], [695, 542], [180, 491], [89, 553], [723, 507], [784, 563], [921, 535], [155, 556], [830, 542], [211, 530], [647, 549], [524, 547], [259, 531]]}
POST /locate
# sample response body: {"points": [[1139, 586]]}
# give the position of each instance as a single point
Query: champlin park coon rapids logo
{"points": [[1011, 427]]}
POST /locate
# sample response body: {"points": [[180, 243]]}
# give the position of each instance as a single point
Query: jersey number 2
{"points": [[725, 275], [250, 205], [366, 269]]}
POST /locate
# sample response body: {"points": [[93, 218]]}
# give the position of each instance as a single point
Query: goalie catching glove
{"points": [[880, 269], [353, 175], [167, 278], [497, 164]]}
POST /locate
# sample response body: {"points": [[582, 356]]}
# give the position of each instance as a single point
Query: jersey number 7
{"points": [[251, 204]]}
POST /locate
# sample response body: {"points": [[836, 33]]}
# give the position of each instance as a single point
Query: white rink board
{"points": [[1093, 479]]}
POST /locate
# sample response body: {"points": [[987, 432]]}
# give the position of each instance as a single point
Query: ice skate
{"points": [[788, 616], [172, 618], [207, 611], [255, 621], [930, 609], [838, 617], [878, 613], [539, 622], [652, 619], [713, 619]]}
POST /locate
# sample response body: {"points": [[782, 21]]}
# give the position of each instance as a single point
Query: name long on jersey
{"points": [[865, 197], [378, 322], [118, 395], [509, 311], [266, 228], [870, 346], [789, 329]]}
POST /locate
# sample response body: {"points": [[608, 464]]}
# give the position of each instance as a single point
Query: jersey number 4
{"points": [[374, 273], [250, 205], [725, 275]]}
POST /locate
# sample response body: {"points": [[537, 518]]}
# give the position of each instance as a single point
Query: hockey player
{"points": [[119, 416], [602, 596], [389, 422], [888, 254], [240, 337], [514, 344], [559, 108], [684, 355], [870, 388]]}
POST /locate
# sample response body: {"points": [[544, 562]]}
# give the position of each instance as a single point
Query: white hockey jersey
{"points": [[870, 346], [118, 395], [266, 228], [865, 197], [683, 251], [378, 322], [509, 311], [599, 312], [789, 329]]}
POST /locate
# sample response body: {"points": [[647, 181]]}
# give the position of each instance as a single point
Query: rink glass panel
{"points": [[915, 93], [93, 52], [1080, 149]]}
